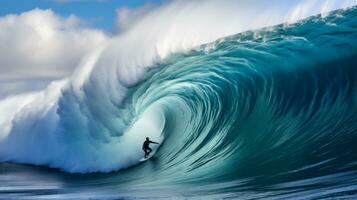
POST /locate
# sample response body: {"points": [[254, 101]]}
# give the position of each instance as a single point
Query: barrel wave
{"points": [[272, 109]]}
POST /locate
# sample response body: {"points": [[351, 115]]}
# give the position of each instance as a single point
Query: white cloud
{"points": [[38, 46], [127, 17]]}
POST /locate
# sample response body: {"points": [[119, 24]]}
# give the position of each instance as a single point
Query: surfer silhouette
{"points": [[146, 147]]}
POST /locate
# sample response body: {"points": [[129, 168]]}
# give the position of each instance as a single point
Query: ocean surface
{"points": [[264, 114]]}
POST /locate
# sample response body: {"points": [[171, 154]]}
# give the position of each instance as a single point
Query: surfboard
{"points": [[144, 159], [150, 155]]}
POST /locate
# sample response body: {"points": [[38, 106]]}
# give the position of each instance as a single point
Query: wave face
{"points": [[276, 105]]}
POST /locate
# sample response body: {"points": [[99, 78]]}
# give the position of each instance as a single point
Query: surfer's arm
{"points": [[154, 142]]}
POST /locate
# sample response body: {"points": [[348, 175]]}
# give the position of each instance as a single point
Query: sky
{"points": [[98, 13]]}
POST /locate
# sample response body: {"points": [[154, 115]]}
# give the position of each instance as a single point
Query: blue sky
{"points": [[98, 13]]}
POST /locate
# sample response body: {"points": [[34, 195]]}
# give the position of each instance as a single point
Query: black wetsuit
{"points": [[146, 147]]}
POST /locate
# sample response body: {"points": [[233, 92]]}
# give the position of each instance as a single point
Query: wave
{"points": [[278, 101]]}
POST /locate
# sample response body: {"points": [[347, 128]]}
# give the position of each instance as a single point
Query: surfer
{"points": [[146, 147]]}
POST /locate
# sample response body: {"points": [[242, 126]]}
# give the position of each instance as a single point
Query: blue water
{"points": [[269, 113]]}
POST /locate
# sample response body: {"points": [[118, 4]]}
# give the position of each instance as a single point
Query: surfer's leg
{"points": [[150, 150], [146, 153]]}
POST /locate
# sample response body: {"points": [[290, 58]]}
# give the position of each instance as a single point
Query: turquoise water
{"points": [[269, 113]]}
